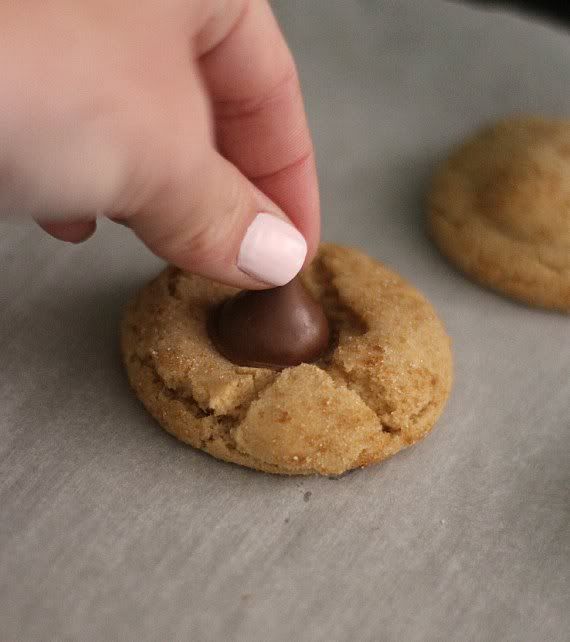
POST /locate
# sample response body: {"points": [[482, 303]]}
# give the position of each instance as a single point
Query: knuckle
{"points": [[209, 230], [280, 90]]}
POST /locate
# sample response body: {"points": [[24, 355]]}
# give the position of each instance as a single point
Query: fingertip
{"points": [[70, 232], [312, 234]]}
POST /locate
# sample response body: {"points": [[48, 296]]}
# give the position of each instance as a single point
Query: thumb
{"points": [[214, 222]]}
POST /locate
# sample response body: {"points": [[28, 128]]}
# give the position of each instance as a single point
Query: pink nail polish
{"points": [[272, 250]]}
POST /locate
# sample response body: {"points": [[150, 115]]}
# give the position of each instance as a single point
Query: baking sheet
{"points": [[110, 529]]}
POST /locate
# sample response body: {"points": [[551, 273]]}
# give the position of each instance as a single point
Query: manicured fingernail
{"points": [[272, 250]]}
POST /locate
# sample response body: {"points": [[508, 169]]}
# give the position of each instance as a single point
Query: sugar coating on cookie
{"points": [[380, 387], [499, 209]]}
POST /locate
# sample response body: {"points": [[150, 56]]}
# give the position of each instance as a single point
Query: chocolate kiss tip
{"points": [[276, 328]]}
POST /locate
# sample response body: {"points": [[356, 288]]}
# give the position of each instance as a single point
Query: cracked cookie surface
{"points": [[380, 388], [499, 209]]}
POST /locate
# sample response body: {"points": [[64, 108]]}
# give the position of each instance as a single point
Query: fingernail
{"points": [[272, 250]]}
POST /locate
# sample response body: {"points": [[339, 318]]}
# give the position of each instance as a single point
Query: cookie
{"points": [[378, 389], [499, 209]]}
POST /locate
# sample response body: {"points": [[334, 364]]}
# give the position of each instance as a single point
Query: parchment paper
{"points": [[112, 530]]}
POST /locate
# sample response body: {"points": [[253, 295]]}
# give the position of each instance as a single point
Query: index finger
{"points": [[259, 116]]}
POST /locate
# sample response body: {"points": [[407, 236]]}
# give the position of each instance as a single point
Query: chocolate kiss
{"points": [[274, 328]]}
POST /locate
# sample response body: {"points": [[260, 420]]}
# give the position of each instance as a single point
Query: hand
{"points": [[182, 119]]}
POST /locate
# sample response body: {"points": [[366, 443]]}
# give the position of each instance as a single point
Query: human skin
{"points": [[182, 119]]}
